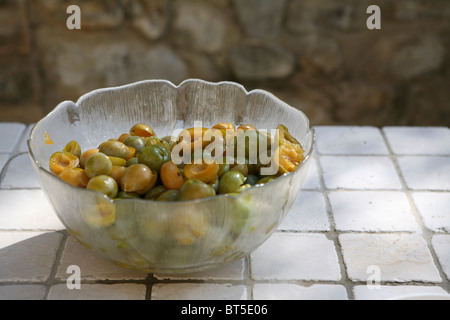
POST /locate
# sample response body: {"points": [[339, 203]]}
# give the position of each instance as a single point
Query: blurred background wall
{"points": [[318, 55]]}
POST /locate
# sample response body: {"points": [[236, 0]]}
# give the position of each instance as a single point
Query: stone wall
{"points": [[318, 55]]}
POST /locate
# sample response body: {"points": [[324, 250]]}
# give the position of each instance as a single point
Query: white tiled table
{"points": [[373, 222]]}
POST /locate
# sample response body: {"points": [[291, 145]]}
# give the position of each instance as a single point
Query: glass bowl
{"points": [[168, 237]]}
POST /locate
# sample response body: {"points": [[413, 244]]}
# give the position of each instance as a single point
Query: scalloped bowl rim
{"points": [[308, 154]]}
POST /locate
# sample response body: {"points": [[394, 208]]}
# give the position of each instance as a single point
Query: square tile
{"points": [[359, 172], [232, 271], [362, 192], [372, 211], [198, 291], [22, 292], [425, 173], [312, 179], [289, 291], [23, 146], [308, 213], [441, 245], [350, 140], [115, 291], [27, 256], [19, 173], [92, 266], [391, 257], [294, 256], [395, 292], [418, 140], [3, 160], [434, 208], [11, 134], [27, 210]]}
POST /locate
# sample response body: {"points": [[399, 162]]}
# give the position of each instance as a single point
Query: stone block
{"points": [[313, 99], [92, 61], [14, 29], [427, 103], [260, 61], [95, 14], [420, 10], [202, 27], [313, 15], [260, 18], [359, 102], [319, 55], [405, 56], [149, 17], [17, 83]]}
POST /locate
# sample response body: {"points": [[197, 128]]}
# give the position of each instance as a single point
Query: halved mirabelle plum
{"points": [[74, 148], [194, 136], [76, 177], [289, 153], [61, 161], [203, 172]]}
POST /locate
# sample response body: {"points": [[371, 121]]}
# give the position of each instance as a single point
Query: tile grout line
{"points": [[15, 152], [23, 135], [247, 281], [12, 156], [5, 166], [332, 233], [19, 136], [52, 276], [150, 280], [425, 233]]}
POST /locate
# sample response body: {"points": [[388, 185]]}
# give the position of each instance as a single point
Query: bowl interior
{"points": [[103, 113]]}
